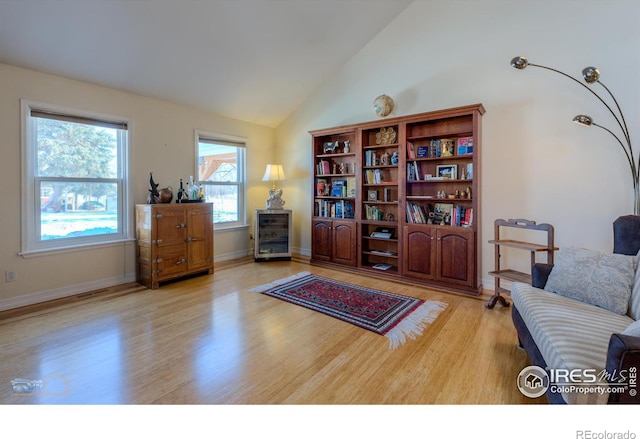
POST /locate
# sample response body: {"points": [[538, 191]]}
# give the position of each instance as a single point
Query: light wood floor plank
{"points": [[206, 340]]}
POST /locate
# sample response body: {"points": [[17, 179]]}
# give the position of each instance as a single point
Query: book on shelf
{"points": [[374, 176], [411, 151], [323, 167], [465, 146], [351, 186], [373, 212], [462, 216], [434, 148], [382, 266], [423, 152], [334, 209], [416, 213], [377, 176], [339, 188], [448, 147], [413, 171], [371, 158]]}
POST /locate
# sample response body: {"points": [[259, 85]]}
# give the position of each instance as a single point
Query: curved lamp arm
{"points": [[521, 63], [583, 119], [591, 75]]}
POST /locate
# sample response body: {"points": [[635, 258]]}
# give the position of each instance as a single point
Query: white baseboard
{"points": [[233, 255], [66, 291]]}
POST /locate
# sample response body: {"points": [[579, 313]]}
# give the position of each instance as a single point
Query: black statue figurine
{"points": [[154, 195]]}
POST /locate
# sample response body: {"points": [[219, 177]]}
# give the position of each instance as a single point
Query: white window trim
{"points": [[242, 220], [29, 216]]}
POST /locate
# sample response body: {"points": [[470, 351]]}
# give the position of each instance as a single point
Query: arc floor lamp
{"points": [[592, 75]]}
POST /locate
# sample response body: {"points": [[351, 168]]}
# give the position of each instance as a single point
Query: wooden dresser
{"points": [[173, 240]]}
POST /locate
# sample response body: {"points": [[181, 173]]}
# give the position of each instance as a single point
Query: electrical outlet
{"points": [[10, 276]]}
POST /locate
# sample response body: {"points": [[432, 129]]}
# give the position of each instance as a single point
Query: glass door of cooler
{"points": [[272, 235]]}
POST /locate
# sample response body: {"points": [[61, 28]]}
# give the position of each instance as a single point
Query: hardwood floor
{"points": [[206, 340]]}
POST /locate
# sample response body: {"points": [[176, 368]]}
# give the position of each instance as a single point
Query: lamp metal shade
{"points": [[273, 173], [590, 74], [583, 119]]}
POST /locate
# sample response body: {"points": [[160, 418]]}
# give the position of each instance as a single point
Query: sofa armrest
{"points": [[539, 274], [623, 357]]}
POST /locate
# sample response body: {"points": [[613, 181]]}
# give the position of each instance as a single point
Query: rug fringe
{"points": [[413, 324], [265, 287]]}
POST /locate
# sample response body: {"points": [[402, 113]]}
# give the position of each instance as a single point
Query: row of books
{"points": [[343, 188], [413, 171], [437, 148], [334, 209], [373, 176], [373, 212], [371, 158], [462, 216], [323, 167], [416, 214], [441, 213]]}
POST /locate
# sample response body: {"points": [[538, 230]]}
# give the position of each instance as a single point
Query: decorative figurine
{"points": [[154, 195], [346, 146], [275, 200]]}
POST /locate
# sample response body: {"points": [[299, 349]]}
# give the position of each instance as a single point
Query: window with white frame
{"points": [[221, 173], [74, 178]]}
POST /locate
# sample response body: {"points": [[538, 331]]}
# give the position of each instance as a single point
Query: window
{"points": [[74, 178], [221, 173]]}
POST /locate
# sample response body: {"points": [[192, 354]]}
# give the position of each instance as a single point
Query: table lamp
{"points": [[274, 173]]}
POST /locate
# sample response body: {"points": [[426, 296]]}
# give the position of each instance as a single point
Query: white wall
{"points": [[536, 164], [161, 140]]}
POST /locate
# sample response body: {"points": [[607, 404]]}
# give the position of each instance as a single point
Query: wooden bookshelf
{"points": [[406, 170]]}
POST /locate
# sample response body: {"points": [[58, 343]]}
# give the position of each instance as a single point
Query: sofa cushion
{"points": [[633, 329], [569, 334], [604, 280]]}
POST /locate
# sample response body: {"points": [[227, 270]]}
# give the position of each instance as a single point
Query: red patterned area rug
{"points": [[392, 315]]}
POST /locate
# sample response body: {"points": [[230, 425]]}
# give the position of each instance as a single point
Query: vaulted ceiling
{"points": [[253, 60]]}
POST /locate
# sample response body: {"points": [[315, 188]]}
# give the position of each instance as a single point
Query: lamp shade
{"points": [[274, 173]]}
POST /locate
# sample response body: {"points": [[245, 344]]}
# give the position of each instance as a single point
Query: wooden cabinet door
{"points": [[456, 250], [419, 252], [199, 236], [170, 226], [345, 242], [321, 240], [169, 239]]}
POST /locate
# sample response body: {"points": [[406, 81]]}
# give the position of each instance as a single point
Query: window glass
{"points": [[221, 174], [75, 182]]}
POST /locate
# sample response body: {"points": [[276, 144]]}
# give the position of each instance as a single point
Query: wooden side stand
{"points": [[513, 275]]}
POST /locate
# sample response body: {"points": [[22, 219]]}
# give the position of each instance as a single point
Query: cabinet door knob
{"points": [[181, 226], [181, 261]]}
